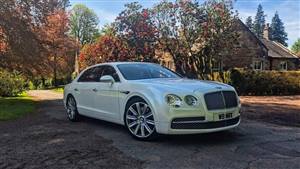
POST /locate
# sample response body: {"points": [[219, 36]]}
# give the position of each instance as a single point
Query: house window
{"points": [[258, 65], [283, 65]]}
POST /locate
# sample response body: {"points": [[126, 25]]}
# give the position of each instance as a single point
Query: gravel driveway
{"points": [[46, 139]]}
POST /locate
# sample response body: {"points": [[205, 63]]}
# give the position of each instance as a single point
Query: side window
{"points": [[109, 70], [98, 72], [88, 76]]}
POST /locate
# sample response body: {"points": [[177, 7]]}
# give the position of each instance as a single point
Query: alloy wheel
{"points": [[140, 120], [71, 108]]}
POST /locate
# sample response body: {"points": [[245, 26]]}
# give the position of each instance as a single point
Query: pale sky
{"points": [[289, 11]]}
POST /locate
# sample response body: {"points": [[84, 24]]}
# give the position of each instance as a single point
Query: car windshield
{"points": [[145, 71]]}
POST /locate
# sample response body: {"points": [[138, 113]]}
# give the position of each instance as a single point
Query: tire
{"points": [[72, 112], [139, 120]]}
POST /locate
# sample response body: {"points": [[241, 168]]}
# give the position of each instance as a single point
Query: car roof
{"points": [[118, 63], [115, 64], [111, 63]]}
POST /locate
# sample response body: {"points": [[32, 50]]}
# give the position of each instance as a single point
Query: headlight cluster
{"points": [[176, 101], [173, 100], [190, 100]]}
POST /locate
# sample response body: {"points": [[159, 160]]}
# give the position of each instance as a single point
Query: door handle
{"points": [[125, 92], [95, 90], [76, 89]]}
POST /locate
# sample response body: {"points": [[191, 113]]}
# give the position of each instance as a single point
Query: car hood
{"points": [[187, 84]]}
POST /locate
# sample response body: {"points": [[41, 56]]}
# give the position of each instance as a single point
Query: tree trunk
{"points": [[43, 81], [55, 71], [76, 66]]}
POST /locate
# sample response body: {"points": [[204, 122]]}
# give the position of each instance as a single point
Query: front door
{"points": [[106, 100]]}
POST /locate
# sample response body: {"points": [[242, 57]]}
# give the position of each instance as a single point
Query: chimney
{"points": [[266, 31]]}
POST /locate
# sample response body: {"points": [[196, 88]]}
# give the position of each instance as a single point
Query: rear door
{"points": [[84, 93]]}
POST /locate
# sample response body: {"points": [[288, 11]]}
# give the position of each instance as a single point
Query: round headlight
{"points": [[190, 100], [173, 100]]}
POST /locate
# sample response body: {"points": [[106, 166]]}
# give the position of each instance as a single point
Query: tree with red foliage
{"points": [[3, 43], [20, 24], [132, 37], [108, 48], [60, 48], [135, 27]]}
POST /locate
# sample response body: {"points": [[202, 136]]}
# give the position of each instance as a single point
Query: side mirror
{"points": [[107, 79]]}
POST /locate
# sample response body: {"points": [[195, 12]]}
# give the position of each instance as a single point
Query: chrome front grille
{"points": [[220, 100]]}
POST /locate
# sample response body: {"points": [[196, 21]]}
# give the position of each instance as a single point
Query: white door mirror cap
{"points": [[107, 79]]}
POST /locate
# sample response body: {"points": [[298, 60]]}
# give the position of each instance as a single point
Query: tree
{"points": [[195, 35], [135, 26], [249, 23], [130, 38], [259, 22], [178, 32], [84, 23], [278, 33], [107, 48], [296, 47], [108, 29], [20, 22], [3, 44], [58, 44]]}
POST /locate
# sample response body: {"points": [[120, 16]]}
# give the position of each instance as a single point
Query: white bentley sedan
{"points": [[150, 99]]}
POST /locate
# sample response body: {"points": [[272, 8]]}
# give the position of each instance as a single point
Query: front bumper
{"points": [[195, 127], [199, 118], [194, 124]]}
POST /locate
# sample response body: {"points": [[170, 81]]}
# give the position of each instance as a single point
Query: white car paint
{"points": [[108, 101]]}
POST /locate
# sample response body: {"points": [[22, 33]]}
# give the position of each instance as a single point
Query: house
{"points": [[250, 53], [279, 57]]}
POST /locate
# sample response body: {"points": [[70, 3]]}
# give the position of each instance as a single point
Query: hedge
{"points": [[246, 82], [11, 83], [250, 82]]}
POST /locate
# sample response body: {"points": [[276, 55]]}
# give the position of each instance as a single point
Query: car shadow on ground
{"points": [[221, 137], [112, 129]]}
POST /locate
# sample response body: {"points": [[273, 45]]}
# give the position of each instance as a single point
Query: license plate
{"points": [[225, 116]]}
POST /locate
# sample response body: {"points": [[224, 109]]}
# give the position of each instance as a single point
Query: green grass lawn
{"points": [[14, 107], [59, 90]]}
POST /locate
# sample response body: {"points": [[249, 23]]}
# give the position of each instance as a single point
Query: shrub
{"points": [[11, 83], [250, 82]]}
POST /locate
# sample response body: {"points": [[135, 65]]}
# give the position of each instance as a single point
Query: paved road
{"points": [[251, 145]]}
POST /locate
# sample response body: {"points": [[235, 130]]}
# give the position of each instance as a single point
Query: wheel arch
{"points": [[130, 99], [150, 102], [67, 97]]}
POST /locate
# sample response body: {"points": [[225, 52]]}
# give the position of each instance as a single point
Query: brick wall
{"points": [[248, 50], [292, 64]]}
